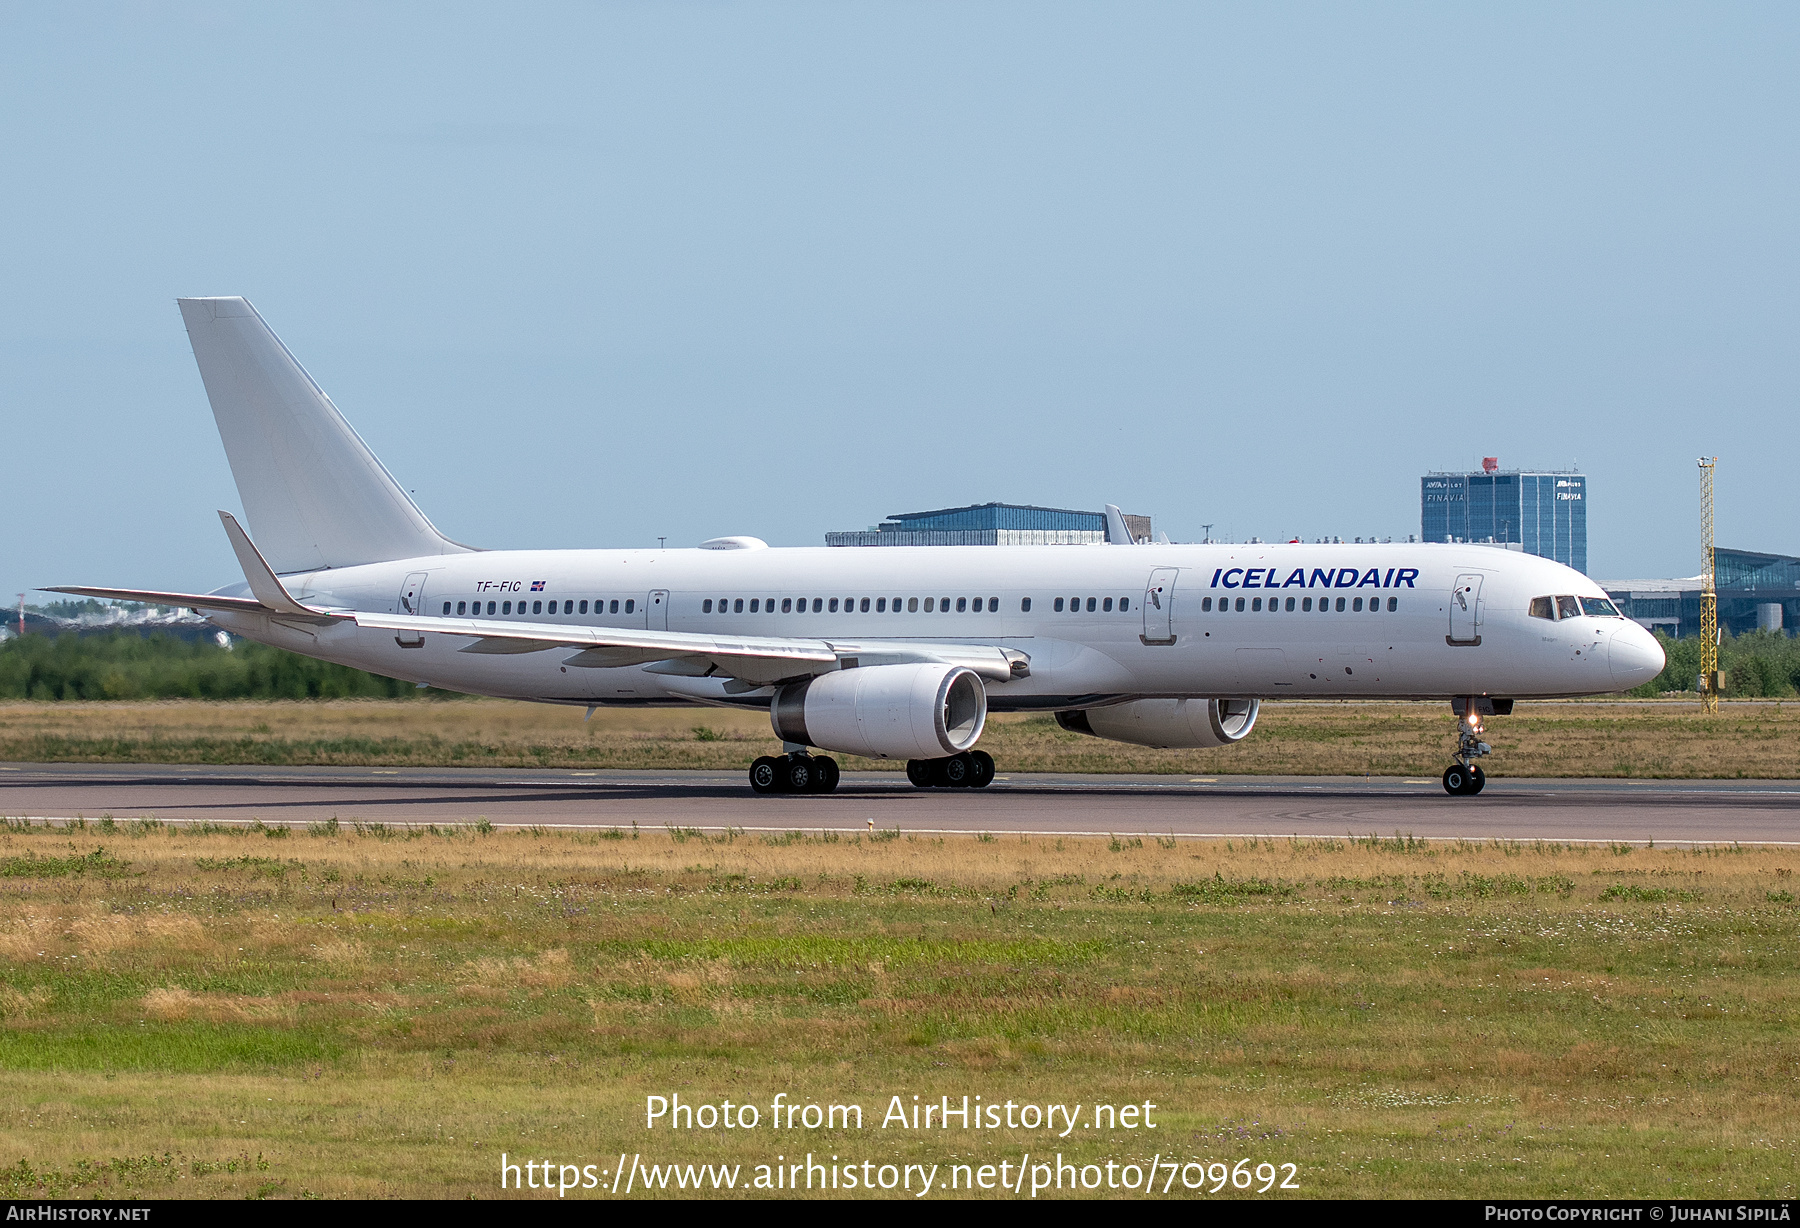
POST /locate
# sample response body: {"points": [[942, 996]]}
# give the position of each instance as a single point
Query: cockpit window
{"points": [[1568, 607], [1542, 607], [1598, 607]]}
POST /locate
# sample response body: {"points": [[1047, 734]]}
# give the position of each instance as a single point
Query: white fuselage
{"points": [[1400, 631]]}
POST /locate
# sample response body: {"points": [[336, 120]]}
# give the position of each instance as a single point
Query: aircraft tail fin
{"points": [[314, 494]]}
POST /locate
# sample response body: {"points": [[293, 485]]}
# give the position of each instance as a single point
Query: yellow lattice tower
{"points": [[1709, 597]]}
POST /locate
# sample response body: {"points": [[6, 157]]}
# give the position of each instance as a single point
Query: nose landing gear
{"points": [[1463, 778]]}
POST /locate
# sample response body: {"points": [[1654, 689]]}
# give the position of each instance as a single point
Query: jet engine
{"points": [[1167, 723], [922, 711]]}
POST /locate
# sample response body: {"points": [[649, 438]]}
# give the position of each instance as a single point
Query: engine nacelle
{"points": [[926, 711], [1168, 723]]}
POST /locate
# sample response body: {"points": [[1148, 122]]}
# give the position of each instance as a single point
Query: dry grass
{"points": [[1756, 739], [384, 1014]]}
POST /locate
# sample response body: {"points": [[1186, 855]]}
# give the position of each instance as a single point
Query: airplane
{"points": [[896, 653]]}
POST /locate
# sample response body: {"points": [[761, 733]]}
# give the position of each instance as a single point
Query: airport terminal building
{"points": [[1756, 592], [990, 524], [1543, 512]]}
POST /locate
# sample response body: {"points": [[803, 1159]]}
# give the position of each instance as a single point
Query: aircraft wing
{"points": [[759, 659]]}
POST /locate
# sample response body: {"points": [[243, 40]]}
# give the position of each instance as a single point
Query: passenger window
{"points": [[1290, 605], [864, 606], [1107, 605], [1205, 604], [736, 606], [1240, 605], [1090, 605], [1306, 605], [1566, 607], [993, 605], [629, 604], [568, 607], [1340, 605], [706, 606], [962, 605], [881, 605], [787, 605], [1255, 604], [1057, 605], [459, 607], [583, 607], [615, 606], [754, 604], [912, 605], [1024, 605], [1356, 605], [1393, 604], [818, 605], [943, 605], [833, 606], [849, 604], [506, 607], [490, 607], [1124, 603]]}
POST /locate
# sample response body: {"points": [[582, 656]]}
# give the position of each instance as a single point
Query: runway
{"points": [[1686, 811]]}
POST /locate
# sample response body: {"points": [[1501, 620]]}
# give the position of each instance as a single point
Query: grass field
{"points": [[1759, 739], [377, 1012]]}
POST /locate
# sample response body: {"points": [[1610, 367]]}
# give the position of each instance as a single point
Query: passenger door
{"points": [[1465, 610], [412, 594], [656, 610], [412, 601], [1159, 607]]}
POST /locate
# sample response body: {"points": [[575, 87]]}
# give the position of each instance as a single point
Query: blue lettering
{"points": [[1346, 578], [1235, 571], [1299, 577], [1253, 578], [1215, 582], [1320, 578], [1374, 577], [1389, 582], [1406, 576]]}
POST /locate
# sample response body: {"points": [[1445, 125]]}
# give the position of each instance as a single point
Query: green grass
{"points": [[384, 1013]]}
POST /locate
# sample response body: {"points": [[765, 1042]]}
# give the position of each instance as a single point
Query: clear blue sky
{"points": [[587, 274]]}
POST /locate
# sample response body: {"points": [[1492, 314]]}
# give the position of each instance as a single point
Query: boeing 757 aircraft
{"points": [[894, 653]]}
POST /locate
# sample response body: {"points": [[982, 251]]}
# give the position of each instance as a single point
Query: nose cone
{"points": [[1635, 657]]}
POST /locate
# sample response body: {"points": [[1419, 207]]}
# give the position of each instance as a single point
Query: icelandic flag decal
{"points": [[537, 586]]}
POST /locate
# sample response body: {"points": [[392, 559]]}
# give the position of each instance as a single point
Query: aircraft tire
{"points": [[919, 773], [765, 775], [1456, 780], [1477, 780], [984, 769], [956, 771], [825, 774], [797, 774]]}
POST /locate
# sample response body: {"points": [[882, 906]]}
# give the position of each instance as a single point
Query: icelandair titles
{"points": [[1342, 577]]}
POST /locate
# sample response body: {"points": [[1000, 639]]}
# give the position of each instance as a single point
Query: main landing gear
{"points": [[798, 772], [1463, 778], [973, 769]]}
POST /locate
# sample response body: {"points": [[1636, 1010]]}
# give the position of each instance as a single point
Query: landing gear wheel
{"points": [[797, 773], [1456, 780], [983, 763], [1477, 779], [919, 773], [956, 771], [825, 774], [765, 775]]}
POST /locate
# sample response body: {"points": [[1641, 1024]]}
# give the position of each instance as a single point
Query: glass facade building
{"points": [[1756, 592], [990, 524], [1544, 513]]}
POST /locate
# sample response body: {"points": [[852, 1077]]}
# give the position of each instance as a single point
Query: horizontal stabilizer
{"points": [[179, 601]]}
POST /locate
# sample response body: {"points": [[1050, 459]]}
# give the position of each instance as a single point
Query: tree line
{"points": [[129, 665]]}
